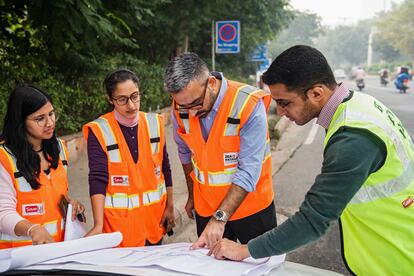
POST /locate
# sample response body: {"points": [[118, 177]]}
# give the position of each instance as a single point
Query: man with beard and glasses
{"points": [[220, 127]]}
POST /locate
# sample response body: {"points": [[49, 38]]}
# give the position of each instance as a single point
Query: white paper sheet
{"points": [[35, 254], [176, 258], [73, 229]]}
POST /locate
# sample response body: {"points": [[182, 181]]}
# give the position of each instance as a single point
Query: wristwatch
{"points": [[220, 215]]}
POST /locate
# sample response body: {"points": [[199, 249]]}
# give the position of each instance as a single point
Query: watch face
{"points": [[219, 214]]}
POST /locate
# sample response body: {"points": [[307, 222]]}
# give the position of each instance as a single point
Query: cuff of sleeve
{"points": [[243, 183], [185, 158], [255, 249]]}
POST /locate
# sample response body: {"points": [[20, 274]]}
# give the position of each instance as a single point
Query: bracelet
{"points": [[31, 228]]}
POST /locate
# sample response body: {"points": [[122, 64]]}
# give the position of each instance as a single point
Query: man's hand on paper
{"points": [[227, 249], [39, 235], [212, 234], [77, 208]]}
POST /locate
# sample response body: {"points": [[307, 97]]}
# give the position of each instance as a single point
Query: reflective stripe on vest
{"points": [[22, 184], [239, 102], [154, 132], [62, 155], [392, 186], [223, 178], [184, 119], [51, 227], [121, 201], [114, 155], [154, 196]]}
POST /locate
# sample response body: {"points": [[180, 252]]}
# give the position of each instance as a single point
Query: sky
{"points": [[340, 12]]}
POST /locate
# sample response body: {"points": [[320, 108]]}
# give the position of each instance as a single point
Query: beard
{"points": [[202, 113]]}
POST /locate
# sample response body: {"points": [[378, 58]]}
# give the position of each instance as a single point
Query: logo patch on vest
{"points": [[119, 180], [33, 209], [158, 172], [407, 202], [231, 158]]}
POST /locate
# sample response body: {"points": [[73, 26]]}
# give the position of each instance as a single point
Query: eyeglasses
{"points": [[41, 120], [285, 103], [196, 103], [123, 100]]}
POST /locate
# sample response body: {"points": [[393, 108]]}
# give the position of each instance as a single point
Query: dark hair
{"points": [[117, 76], [23, 101], [183, 69], [300, 67], [404, 70]]}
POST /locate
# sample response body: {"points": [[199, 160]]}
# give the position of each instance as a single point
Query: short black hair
{"points": [[300, 67]]}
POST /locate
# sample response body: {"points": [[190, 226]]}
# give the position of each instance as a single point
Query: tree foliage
{"points": [[67, 46], [346, 45], [397, 28]]}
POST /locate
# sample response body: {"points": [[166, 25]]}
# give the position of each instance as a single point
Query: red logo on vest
{"points": [[32, 209], [119, 180]]}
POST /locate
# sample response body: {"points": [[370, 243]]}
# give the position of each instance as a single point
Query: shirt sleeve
{"points": [[344, 170], [252, 149], [8, 214], [98, 166], [184, 153], [166, 168]]}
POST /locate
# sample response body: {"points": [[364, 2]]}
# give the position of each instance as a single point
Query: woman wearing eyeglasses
{"points": [[32, 171], [129, 172]]}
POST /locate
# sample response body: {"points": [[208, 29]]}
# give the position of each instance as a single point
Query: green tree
{"points": [[397, 28], [345, 45]]}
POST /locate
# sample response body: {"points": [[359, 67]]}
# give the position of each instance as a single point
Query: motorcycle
{"points": [[404, 86], [384, 80], [360, 84]]}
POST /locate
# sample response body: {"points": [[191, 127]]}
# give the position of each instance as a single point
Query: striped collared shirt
{"points": [[327, 112]]}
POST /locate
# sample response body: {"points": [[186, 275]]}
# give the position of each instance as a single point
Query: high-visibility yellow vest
{"points": [[136, 194], [216, 160], [377, 230], [41, 205]]}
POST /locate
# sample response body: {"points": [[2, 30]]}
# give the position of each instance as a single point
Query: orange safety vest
{"points": [[136, 195], [215, 161], [41, 205]]}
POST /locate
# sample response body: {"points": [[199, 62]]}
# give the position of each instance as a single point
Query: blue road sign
{"points": [[228, 37], [259, 54]]}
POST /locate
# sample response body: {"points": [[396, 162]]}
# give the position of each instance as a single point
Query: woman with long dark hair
{"points": [[130, 180], [33, 176]]}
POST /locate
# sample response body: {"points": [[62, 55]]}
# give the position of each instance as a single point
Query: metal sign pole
{"points": [[213, 61]]}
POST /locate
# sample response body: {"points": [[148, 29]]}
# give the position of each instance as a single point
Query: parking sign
{"points": [[228, 37]]}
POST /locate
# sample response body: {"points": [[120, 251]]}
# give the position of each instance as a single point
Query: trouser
{"points": [[246, 228]]}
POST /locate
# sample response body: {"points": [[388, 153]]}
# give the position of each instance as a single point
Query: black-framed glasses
{"points": [[196, 103], [41, 120], [285, 103], [123, 100]]}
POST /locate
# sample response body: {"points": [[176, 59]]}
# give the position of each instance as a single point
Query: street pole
{"points": [[213, 61]]}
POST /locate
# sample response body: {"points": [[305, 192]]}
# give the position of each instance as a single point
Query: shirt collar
{"points": [[325, 117], [221, 92]]}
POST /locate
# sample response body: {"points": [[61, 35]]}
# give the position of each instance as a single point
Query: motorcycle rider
{"points": [[359, 78], [383, 76], [401, 80]]}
